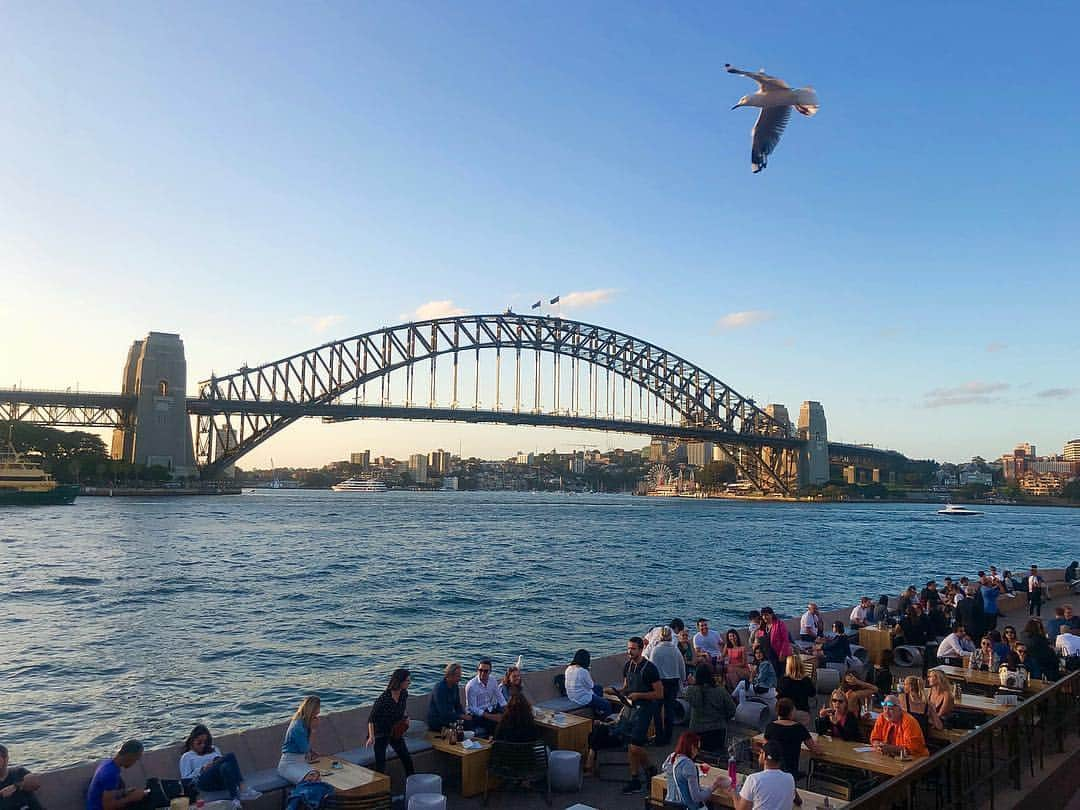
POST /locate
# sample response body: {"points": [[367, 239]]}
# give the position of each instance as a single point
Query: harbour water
{"points": [[139, 617]]}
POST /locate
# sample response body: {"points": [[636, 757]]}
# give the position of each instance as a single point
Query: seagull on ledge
{"points": [[775, 99]]}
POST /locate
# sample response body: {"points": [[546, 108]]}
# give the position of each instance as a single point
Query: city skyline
{"points": [[421, 161]]}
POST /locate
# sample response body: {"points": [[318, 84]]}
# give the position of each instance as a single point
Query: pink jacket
{"points": [[779, 640]]}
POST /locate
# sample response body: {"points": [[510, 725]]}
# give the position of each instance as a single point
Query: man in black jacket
{"points": [[969, 613]]}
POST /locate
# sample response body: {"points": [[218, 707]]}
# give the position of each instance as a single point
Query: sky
{"points": [[265, 177]]}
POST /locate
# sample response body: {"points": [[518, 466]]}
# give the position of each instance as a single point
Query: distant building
{"points": [[698, 454], [780, 414], [525, 459], [1045, 484], [362, 460], [439, 462], [418, 467], [1072, 450], [972, 475], [577, 465], [450, 482]]}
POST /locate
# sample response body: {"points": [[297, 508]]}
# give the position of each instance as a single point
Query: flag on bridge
{"points": [[554, 300], [537, 305]]}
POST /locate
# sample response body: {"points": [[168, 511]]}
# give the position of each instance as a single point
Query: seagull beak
{"points": [[736, 106]]}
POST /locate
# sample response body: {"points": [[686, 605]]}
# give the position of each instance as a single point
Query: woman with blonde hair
{"points": [[836, 720], [939, 698], [297, 753], [798, 687], [913, 701]]}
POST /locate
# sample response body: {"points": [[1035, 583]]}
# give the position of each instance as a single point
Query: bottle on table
{"points": [[732, 771]]}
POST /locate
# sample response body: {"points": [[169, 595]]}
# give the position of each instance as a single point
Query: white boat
{"points": [[957, 511], [360, 485]]}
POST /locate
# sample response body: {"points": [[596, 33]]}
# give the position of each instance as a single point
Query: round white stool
{"points": [[427, 801], [565, 770], [422, 783]]}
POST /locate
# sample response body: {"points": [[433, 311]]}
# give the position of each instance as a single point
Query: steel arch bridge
{"points": [[566, 361]]}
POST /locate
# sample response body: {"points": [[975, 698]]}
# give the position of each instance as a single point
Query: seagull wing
{"points": [[766, 135], [764, 80]]}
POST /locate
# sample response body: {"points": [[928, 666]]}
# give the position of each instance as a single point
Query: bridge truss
{"points": [[561, 372], [65, 408]]}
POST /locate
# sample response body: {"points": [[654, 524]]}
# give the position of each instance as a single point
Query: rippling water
{"points": [[133, 617]]}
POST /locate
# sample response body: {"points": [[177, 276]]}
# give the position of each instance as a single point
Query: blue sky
{"points": [[265, 177]]}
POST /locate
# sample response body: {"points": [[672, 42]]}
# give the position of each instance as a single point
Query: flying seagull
{"points": [[775, 99]]}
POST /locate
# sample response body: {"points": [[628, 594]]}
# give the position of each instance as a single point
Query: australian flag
{"points": [[537, 305], [554, 300]]}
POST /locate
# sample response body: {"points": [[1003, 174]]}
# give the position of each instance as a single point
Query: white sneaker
{"points": [[236, 804], [249, 794]]}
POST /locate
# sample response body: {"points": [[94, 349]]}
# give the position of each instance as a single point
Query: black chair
{"points": [[520, 765], [377, 801], [662, 804]]}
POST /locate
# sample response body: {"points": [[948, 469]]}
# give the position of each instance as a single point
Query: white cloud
{"points": [[975, 392], [1056, 393], [319, 323], [435, 309], [741, 320], [583, 299]]}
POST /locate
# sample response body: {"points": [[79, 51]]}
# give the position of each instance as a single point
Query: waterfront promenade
{"points": [[258, 748]]}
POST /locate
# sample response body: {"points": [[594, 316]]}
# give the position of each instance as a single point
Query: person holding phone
{"points": [[297, 752], [107, 790]]}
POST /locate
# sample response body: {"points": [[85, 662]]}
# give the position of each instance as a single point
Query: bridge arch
{"points": [[238, 411]]}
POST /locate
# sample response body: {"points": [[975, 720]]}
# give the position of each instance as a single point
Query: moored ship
{"points": [[360, 485], [24, 483]]}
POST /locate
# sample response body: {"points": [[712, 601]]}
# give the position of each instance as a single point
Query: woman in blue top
{"points": [[683, 782], [297, 753]]}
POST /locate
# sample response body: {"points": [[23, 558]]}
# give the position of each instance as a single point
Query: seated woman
{"points": [[939, 699], [1000, 645], [517, 724], [297, 752], [856, 691], [510, 684], [798, 687], [734, 658], [203, 765], [388, 722], [710, 708], [686, 649], [984, 659], [1043, 659], [913, 701], [683, 781], [762, 685], [580, 688], [836, 721]]}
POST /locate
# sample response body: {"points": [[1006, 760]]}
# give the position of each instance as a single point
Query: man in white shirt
{"points": [[770, 788], [1035, 592], [862, 613], [653, 635], [811, 625], [955, 646], [1068, 642], [706, 640], [484, 700]]}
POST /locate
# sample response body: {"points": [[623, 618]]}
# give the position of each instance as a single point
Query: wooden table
{"points": [[474, 762], [349, 779], [725, 797], [876, 642], [981, 703], [564, 732], [842, 752], [986, 679]]}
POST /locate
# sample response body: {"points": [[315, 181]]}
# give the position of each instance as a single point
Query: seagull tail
{"points": [[807, 101]]}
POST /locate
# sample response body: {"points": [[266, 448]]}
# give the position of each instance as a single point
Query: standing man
{"points": [[811, 625], [990, 591], [107, 791], [1035, 592], [444, 706], [17, 786], [644, 689], [771, 788], [671, 665], [484, 699]]}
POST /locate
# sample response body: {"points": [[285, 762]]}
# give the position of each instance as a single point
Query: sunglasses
{"points": [[483, 669]]}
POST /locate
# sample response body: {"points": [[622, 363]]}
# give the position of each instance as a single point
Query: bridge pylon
{"points": [[156, 430]]}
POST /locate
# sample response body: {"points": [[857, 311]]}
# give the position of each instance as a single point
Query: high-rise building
{"points": [[439, 462], [362, 460], [418, 467], [1027, 449], [524, 458], [813, 429], [1072, 450], [698, 454]]}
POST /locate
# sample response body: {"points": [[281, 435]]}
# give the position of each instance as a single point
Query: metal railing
{"points": [[995, 757]]}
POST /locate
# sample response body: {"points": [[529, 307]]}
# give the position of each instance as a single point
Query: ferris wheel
{"points": [[659, 475]]}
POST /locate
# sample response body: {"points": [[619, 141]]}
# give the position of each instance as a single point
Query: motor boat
{"points": [[957, 511]]}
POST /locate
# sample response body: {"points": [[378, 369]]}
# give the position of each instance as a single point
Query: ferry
{"points": [[957, 511], [360, 485], [24, 483]]}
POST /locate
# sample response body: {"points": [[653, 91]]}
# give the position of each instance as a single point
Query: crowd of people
{"points": [[712, 673]]}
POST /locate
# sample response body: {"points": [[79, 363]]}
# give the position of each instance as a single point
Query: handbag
{"points": [[397, 731], [163, 791]]}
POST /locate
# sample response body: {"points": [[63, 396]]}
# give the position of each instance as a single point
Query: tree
{"points": [[715, 473], [1071, 492]]}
